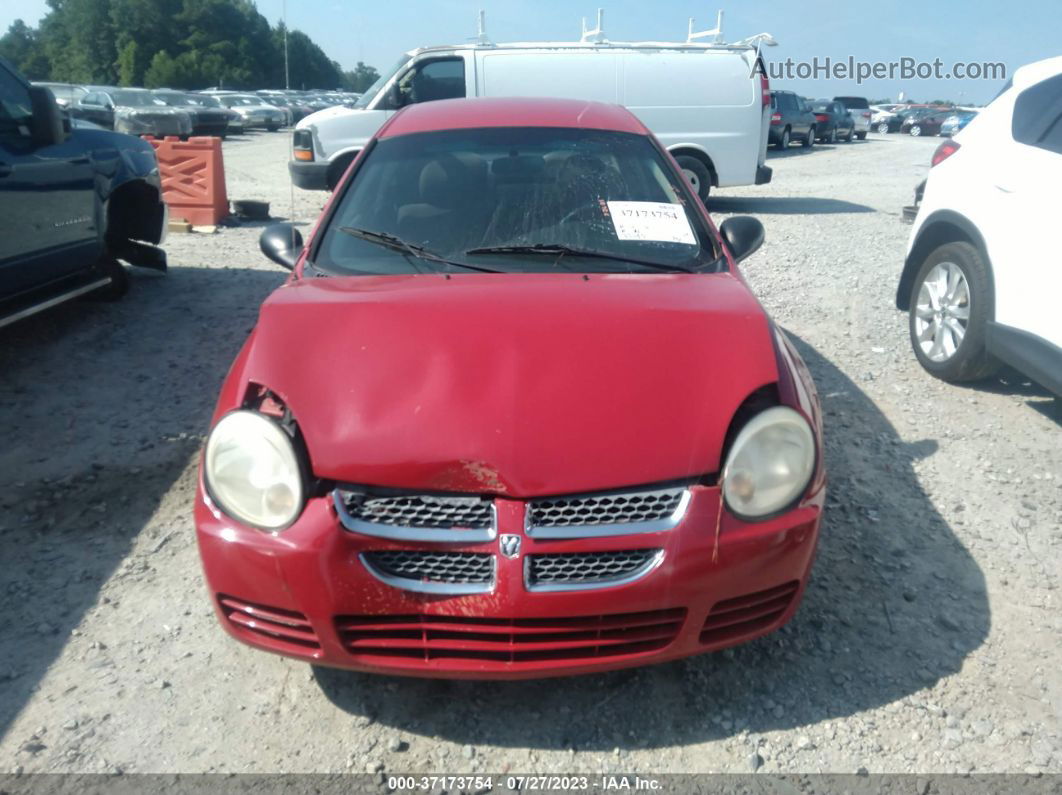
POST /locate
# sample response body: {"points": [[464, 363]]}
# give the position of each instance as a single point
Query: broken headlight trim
{"points": [[769, 465], [252, 472]]}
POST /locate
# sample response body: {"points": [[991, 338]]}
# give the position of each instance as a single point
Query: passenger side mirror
{"points": [[282, 243], [743, 235], [47, 128]]}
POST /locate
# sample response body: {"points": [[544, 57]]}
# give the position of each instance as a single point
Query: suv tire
{"points": [[954, 280]]}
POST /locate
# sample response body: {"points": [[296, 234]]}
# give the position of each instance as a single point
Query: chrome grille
{"points": [[613, 513], [417, 517], [580, 570], [433, 572]]}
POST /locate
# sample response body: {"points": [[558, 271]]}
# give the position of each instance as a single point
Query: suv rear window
{"points": [[859, 103]]}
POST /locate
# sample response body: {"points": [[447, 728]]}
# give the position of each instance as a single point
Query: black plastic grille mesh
{"points": [[586, 567], [639, 506], [420, 510], [464, 568]]}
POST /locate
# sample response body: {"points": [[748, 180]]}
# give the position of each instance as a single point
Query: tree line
{"points": [[190, 44]]}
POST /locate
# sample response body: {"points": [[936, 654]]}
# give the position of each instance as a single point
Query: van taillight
{"points": [[944, 151], [765, 86]]}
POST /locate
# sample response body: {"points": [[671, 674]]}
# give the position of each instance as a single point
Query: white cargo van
{"points": [[707, 103]]}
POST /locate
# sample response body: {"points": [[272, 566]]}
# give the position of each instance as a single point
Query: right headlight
{"points": [[252, 471], [769, 465]]}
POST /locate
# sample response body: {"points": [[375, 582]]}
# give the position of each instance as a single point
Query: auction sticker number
{"points": [[657, 222]]}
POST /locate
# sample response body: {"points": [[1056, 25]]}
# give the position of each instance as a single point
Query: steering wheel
{"points": [[588, 210]]}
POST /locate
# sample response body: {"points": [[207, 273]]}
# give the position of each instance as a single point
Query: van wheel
{"points": [[951, 304], [809, 139], [784, 143], [337, 170], [696, 173]]}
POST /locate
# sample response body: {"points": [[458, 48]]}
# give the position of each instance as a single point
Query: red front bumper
{"points": [[305, 594]]}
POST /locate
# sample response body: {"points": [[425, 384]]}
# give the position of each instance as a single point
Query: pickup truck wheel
{"points": [[951, 304], [119, 286], [696, 173]]}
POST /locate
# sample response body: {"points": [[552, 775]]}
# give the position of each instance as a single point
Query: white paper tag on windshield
{"points": [[654, 221]]}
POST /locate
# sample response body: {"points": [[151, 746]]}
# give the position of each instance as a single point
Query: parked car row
{"points": [[919, 120], [161, 112], [794, 118]]}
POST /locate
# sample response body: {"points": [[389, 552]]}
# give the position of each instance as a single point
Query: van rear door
{"points": [[704, 99]]}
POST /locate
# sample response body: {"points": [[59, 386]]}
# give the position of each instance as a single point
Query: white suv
{"points": [[982, 281]]}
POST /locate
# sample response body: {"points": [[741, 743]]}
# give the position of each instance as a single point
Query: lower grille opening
{"points": [[748, 614], [508, 641], [283, 629]]}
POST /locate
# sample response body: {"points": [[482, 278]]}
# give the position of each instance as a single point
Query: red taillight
{"points": [[821, 117], [776, 118], [866, 114], [944, 151], [765, 86]]}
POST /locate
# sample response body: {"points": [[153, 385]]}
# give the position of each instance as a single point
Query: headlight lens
{"points": [[770, 463], [252, 471]]}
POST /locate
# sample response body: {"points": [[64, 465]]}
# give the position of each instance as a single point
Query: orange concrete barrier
{"points": [[193, 178]]}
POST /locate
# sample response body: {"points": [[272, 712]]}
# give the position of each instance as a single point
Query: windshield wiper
{"points": [[560, 250], [397, 243]]}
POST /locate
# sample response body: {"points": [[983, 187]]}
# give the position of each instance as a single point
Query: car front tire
{"points": [[950, 306], [883, 128]]}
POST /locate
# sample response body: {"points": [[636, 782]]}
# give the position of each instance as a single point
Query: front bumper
{"points": [[309, 174], [305, 593]]}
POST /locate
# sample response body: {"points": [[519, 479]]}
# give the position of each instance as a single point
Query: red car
{"points": [[516, 413]]}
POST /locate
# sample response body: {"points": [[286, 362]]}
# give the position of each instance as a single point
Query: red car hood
{"points": [[518, 385]]}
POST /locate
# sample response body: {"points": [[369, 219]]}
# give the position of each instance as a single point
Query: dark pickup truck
{"points": [[73, 202]]}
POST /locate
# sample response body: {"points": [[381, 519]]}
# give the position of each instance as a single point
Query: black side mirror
{"points": [[47, 128], [743, 235], [282, 243]]}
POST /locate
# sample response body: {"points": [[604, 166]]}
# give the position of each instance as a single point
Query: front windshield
{"points": [[590, 200], [135, 99], [374, 89]]}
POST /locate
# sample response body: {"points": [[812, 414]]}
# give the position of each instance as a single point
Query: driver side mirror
{"points": [[282, 243], [743, 235]]}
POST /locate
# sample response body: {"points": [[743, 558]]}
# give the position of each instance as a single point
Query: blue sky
{"points": [[870, 30]]}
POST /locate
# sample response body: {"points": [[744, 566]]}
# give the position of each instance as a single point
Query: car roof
{"points": [[457, 114]]}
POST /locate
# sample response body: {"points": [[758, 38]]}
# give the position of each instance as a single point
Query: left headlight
{"points": [[252, 471], [770, 464]]}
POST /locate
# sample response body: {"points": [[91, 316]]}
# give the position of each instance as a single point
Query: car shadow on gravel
{"points": [[785, 205], [103, 407], [895, 604], [1009, 381]]}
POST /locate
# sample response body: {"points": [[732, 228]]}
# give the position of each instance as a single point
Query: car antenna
{"points": [[597, 35], [481, 36], [716, 33]]}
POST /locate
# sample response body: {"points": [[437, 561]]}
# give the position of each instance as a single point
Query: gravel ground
{"points": [[928, 640]]}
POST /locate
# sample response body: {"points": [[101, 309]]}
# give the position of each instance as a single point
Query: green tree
{"points": [[361, 78], [21, 45]]}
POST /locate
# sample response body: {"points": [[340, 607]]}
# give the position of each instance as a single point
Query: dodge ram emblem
{"points": [[510, 545]]}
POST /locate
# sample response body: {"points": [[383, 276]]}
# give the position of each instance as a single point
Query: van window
{"points": [[440, 78], [16, 110]]}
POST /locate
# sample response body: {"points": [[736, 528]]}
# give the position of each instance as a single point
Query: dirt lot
{"points": [[928, 641]]}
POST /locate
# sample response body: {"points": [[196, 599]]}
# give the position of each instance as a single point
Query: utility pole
{"points": [[287, 73]]}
